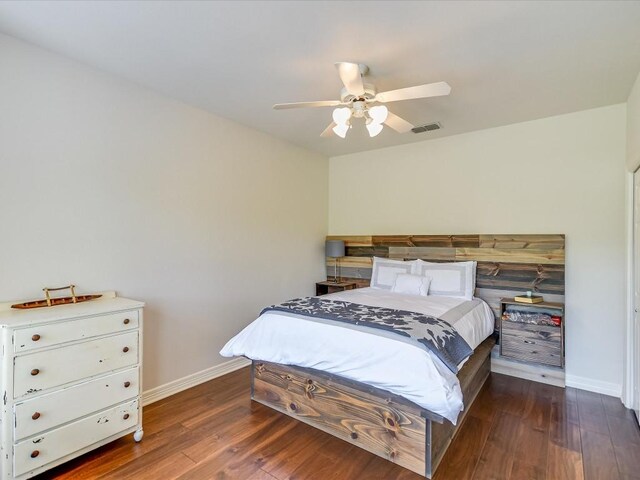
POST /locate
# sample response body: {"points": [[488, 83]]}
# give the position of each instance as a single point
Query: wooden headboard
{"points": [[507, 264]]}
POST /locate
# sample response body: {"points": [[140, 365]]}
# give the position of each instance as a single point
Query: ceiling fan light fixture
{"points": [[341, 129], [341, 116], [378, 113], [374, 128], [361, 100]]}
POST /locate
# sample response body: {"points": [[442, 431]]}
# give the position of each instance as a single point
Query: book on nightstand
{"points": [[528, 298]]}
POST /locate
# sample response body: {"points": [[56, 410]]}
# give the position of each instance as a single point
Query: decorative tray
{"points": [[51, 302]]}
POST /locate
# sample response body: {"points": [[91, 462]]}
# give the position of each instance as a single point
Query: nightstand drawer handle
{"points": [[125, 349], [126, 321], [127, 384], [35, 453], [35, 416], [35, 371], [126, 416], [35, 338]]}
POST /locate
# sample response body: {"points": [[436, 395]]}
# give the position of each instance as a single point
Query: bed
{"points": [[353, 382], [377, 412]]}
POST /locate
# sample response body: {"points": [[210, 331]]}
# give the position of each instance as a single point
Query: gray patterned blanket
{"points": [[433, 334]]}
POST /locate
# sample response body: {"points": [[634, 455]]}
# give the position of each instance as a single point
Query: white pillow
{"points": [[385, 271], [457, 279], [411, 284]]}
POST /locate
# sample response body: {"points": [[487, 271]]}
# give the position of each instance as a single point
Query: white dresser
{"points": [[71, 381]]}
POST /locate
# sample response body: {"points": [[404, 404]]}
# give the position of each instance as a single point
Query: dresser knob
{"points": [[127, 384], [36, 415], [126, 416], [35, 371], [35, 337], [35, 453], [125, 349], [126, 321]]}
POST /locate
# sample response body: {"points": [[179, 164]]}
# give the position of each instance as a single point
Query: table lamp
{"points": [[335, 249]]}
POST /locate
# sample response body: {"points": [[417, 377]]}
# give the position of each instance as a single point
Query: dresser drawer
{"points": [[54, 409], [27, 339], [540, 351], [37, 452], [44, 370]]}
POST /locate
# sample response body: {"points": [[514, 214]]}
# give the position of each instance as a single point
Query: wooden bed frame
{"points": [[373, 419], [379, 421]]}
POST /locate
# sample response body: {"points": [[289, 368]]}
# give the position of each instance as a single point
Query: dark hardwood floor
{"points": [[516, 429]]}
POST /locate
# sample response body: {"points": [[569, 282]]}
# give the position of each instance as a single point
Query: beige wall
{"points": [[111, 186], [633, 127], [562, 174]]}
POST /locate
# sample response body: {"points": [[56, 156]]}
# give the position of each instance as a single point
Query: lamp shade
{"points": [[334, 248]]}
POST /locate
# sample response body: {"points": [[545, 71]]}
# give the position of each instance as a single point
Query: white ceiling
{"points": [[505, 61]]}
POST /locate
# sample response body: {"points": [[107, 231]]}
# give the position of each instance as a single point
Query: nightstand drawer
{"points": [[55, 333], [52, 368], [540, 351], [37, 452], [532, 332], [54, 409]]}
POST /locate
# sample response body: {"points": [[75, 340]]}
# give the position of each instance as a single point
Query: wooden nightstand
{"points": [[525, 342], [328, 286]]}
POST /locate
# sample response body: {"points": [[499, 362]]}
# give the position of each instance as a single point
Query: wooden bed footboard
{"points": [[373, 419]]}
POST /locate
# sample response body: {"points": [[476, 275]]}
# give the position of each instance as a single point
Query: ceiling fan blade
{"points": [[351, 77], [400, 125], [328, 132], [322, 103], [420, 91]]}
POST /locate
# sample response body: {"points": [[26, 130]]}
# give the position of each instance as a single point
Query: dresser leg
{"points": [[137, 436]]}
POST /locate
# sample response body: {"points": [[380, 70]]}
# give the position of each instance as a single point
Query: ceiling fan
{"points": [[360, 100]]}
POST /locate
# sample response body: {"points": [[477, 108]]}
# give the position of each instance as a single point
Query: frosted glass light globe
{"points": [[341, 115], [341, 130], [378, 113], [374, 129]]}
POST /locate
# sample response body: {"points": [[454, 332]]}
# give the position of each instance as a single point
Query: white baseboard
{"points": [[171, 388], [550, 375], [597, 386]]}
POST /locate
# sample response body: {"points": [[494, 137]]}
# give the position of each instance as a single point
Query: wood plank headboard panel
{"points": [[507, 264]]}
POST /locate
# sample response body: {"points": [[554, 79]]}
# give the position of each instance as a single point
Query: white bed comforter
{"points": [[362, 354]]}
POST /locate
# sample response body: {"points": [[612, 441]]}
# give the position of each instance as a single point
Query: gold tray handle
{"points": [[46, 291]]}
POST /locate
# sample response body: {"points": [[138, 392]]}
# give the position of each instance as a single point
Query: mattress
{"points": [[364, 355]]}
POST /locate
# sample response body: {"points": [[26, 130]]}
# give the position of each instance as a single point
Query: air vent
{"points": [[427, 127]]}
